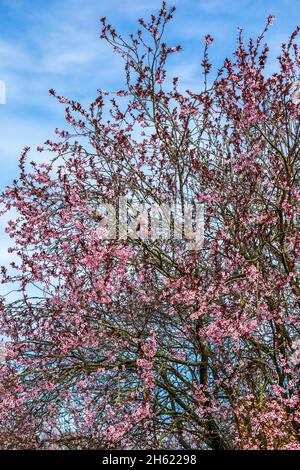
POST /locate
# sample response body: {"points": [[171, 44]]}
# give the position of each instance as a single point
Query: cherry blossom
{"points": [[126, 342]]}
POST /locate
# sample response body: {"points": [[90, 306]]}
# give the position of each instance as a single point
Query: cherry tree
{"points": [[142, 342]]}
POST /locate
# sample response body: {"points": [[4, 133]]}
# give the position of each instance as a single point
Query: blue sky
{"points": [[56, 44]]}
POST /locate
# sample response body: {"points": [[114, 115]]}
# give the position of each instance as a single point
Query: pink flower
{"points": [[208, 40], [271, 19]]}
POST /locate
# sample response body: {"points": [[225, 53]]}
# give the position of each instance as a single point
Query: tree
{"points": [[146, 343]]}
